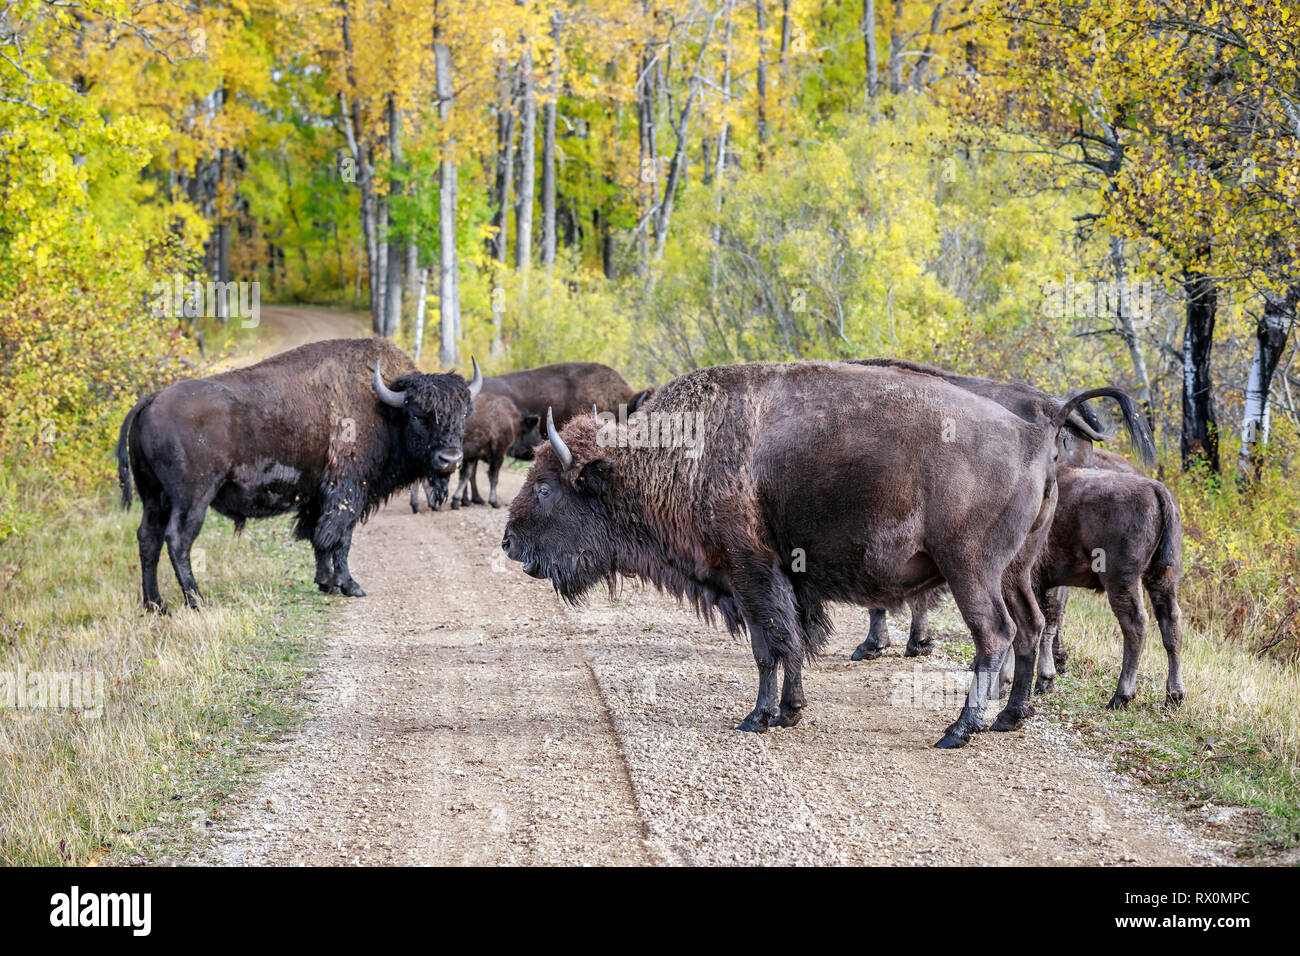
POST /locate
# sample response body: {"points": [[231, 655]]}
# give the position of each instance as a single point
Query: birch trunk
{"points": [[1271, 333], [448, 280]]}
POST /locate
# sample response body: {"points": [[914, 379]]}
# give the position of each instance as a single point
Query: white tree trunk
{"points": [[448, 282]]}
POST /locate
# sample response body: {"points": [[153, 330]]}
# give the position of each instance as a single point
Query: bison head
{"points": [[561, 523], [429, 413], [529, 437]]}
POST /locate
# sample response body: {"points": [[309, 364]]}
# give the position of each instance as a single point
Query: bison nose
{"points": [[448, 460]]}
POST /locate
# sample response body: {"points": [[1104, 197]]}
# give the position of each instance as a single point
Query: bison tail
{"points": [[1134, 420], [123, 451], [1169, 550]]}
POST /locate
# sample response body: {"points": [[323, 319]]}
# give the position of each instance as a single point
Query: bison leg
{"points": [[1052, 603], [1029, 628], [342, 576], [183, 526], [461, 490], [877, 637], [325, 569], [473, 483], [1126, 602], [150, 537], [920, 642], [415, 497], [814, 631], [767, 601], [494, 471], [985, 613], [1164, 599]]}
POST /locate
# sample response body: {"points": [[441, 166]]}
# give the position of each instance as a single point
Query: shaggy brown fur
{"points": [[302, 431], [818, 482], [568, 388]]}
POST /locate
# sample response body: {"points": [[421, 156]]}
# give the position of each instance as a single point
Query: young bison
{"points": [[496, 428], [1115, 532]]}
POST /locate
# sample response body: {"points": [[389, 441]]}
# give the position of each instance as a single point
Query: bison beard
{"points": [[841, 471], [315, 430]]}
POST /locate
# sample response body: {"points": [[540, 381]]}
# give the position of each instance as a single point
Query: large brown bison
{"points": [[1034, 406], [1116, 531], [818, 482], [496, 428], [315, 430], [568, 389]]}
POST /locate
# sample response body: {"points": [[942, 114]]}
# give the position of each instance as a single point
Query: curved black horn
{"points": [[476, 383], [386, 394], [561, 449]]}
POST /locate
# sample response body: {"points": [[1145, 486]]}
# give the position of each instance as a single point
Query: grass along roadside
{"points": [[186, 698], [1228, 758]]}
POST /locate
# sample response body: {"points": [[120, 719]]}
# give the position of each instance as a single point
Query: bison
{"points": [[569, 389], [496, 428], [1029, 403], [315, 430], [820, 482], [1115, 531]]}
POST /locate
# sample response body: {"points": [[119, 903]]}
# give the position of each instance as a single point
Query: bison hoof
{"points": [[415, 509], [455, 506], [154, 607], [1174, 699], [951, 741], [789, 717], [352, 589], [1012, 718], [755, 723], [1118, 702], [919, 650], [495, 504], [1044, 685], [864, 653]]}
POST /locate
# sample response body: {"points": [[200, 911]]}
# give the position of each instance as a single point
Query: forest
{"points": [[1057, 192]]}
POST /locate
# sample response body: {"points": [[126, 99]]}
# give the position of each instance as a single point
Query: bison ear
{"points": [[595, 476], [531, 421]]}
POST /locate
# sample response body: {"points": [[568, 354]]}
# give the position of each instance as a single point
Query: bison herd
{"points": [[874, 482]]}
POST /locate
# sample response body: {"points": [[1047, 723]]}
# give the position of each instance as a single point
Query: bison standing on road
{"points": [[496, 429], [818, 482], [568, 389], [315, 430], [1033, 405]]}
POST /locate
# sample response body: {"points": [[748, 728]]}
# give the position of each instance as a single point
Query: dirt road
{"points": [[464, 715]]}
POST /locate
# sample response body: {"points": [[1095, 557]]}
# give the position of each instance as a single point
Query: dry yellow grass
{"points": [[185, 696]]}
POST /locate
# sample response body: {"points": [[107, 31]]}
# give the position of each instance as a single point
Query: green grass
{"points": [[1234, 744], [188, 698]]}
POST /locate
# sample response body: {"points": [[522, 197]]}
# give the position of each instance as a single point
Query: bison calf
{"points": [[496, 428], [1115, 532]]}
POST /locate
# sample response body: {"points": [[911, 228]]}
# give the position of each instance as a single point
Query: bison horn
{"points": [[476, 384], [386, 394], [561, 449], [595, 414]]}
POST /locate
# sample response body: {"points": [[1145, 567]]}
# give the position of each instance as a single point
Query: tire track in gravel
{"points": [[466, 715]]}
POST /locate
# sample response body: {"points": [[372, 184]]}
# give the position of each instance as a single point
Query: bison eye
{"points": [[543, 491]]}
